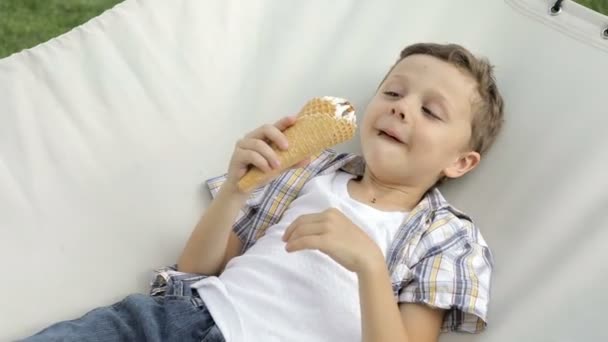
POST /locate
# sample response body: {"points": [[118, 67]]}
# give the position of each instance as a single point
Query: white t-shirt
{"points": [[268, 295]]}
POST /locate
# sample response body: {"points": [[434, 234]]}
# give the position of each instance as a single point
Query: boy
{"points": [[341, 247]]}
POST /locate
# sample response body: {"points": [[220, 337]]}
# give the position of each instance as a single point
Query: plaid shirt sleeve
{"points": [[452, 273]]}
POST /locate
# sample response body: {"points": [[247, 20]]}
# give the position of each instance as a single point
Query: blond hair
{"points": [[488, 108]]}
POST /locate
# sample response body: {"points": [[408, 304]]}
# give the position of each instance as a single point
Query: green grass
{"points": [[596, 5], [27, 23]]}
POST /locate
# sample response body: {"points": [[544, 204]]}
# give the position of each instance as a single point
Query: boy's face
{"points": [[427, 104]]}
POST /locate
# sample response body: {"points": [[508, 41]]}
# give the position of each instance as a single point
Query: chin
{"points": [[383, 163], [377, 147]]}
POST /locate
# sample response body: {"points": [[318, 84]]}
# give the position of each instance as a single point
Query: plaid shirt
{"points": [[438, 256]]}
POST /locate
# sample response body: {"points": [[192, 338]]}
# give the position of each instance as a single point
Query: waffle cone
{"points": [[317, 106], [316, 128]]}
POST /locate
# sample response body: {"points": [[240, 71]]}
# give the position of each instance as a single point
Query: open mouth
{"points": [[389, 137]]}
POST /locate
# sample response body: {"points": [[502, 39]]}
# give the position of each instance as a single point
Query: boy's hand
{"points": [[254, 149], [337, 236]]}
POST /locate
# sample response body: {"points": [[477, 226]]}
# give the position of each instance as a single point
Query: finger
{"points": [[306, 242], [276, 135], [303, 219], [307, 229], [250, 157], [270, 133], [285, 122], [262, 148]]}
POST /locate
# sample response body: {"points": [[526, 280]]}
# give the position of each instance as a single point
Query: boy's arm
{"points": [[383, 320], [212, 242]]}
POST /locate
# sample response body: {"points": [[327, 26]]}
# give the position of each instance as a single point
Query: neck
{"points": [[391, 196]]}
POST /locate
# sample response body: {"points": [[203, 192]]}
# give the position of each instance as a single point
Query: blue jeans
{"points": [[139, 318]]}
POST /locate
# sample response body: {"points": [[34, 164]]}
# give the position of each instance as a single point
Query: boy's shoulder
{"points": [[452, 220], [450, 244], [449, 231]]}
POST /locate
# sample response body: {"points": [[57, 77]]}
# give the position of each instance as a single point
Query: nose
{"points": [[398, 112]]}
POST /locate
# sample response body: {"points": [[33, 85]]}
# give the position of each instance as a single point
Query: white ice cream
{"points": [[344, 110]]}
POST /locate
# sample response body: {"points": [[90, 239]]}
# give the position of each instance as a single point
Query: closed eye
{"points": [[391, 94], [430, 113]]}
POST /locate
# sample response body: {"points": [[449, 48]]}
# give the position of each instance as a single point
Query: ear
{"points": [[465, 163]]}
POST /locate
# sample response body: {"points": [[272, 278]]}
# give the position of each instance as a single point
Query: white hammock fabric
{"points": [[107, 133]]}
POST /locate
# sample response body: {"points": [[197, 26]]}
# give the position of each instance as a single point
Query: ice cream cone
{"points": [[322, 123]]}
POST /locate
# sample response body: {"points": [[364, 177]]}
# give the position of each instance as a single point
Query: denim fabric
{"points": [[169, 281], [139, 317]]}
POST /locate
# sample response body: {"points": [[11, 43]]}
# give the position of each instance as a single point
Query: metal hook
{"points": [[556, 8]]}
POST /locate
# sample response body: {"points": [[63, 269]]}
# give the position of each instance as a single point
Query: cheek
{"points": [[370, 116], [432, 142]]}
